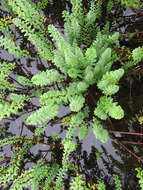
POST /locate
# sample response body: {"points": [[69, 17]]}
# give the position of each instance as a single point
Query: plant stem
{"points": [[126, 133], [128, 150], [131, 142]]}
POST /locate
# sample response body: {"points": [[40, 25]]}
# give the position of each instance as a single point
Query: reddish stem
{"points": [[126, 133], [128, 150], [38, 142], [126, 34], [131, 142]]}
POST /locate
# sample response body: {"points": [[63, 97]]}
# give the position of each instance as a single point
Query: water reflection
{"points": [[93, 159]]}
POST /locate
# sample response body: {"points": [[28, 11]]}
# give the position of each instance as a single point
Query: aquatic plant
{"points": [[79, 59], [140, 177], [83, 67], [118, 185], [130, 3], [101, 185]]}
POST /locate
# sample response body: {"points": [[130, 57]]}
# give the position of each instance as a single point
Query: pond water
{"points": [[94, 159]]}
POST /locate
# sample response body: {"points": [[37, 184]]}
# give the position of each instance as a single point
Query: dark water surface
{"points": [[114, 159]]}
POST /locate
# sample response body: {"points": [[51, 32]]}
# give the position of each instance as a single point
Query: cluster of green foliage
{"points": [[118, 185], [131, 3], [127, 3], [140, 177], [82, 58]]}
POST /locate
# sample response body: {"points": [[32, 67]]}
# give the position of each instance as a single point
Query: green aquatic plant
{"points": [[36, 38], [11, 172], [26, 10], [78, 183], [80, 58], [130, 3], [118, 185], [8, 44], [140, 177], [101, 185], [80, 27], [42, 5], [5, 69], [137, 54]]}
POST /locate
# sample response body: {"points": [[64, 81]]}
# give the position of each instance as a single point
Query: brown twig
{"points": [[128, 150], [133, 143], [38, 142], [125, 133]]}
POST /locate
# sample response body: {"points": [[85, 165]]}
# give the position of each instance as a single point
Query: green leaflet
{"points": [[10, 140], [46, 77], [32, 177], [100, 133], [26, 10], [83, 131], [104, 64], [12, 48], [24, 81], [82, 86], [72, 32], [109, 80], [8, 43], [43, 114], [76, 103], [81, 28], [66, 95], [100, 111], [101, 185], [128, 3], [69, 146], [139, 175], [5, 69], [77, 183], [53, 170], [56, 96], [106, 106], [7, 108], [116, 111], [93, 13], [24, 180], [114, 37], [18, 98], [90, 55], [73, 21], [137, 54], [5, 30], [42, 5], [89, 76], [11, 172], [110, 89], [117, 181], [44, 48], [5, 85]]}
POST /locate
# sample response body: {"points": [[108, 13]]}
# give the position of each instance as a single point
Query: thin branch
{"points": [[133, 143], [125, 133]]}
